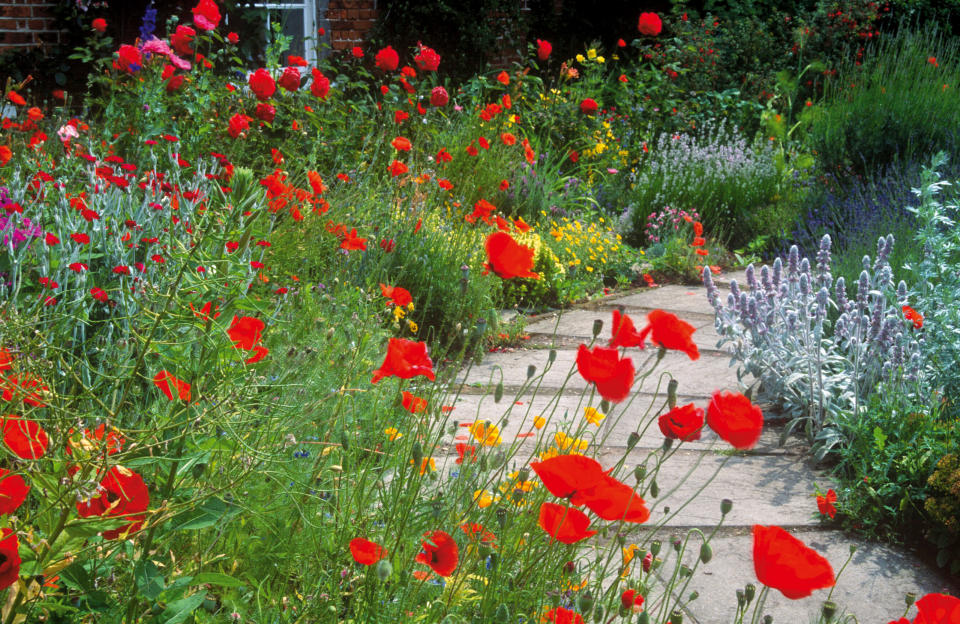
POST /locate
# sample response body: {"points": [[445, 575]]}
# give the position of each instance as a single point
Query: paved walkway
{"points": [[771, 484]]}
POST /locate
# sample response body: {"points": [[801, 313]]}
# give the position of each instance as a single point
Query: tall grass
{"points": [[899, 105]]}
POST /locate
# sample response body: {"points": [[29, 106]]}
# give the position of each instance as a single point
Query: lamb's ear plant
{"points": [[816, 353]]}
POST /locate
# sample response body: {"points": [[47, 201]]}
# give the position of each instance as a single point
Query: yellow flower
{"points": [[483, 498], [600, 59], [574, 445], [393, 433], [549, 453], [580, 58], [398, 313], [488, 435], [413, 326], [593, 415], [539, 422], [591, 54], [628, 554]]}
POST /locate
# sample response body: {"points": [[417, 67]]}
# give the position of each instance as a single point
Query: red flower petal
{"points": [[405, 359], [565, 524], [508, 258], [783, 562], [682, 423], [366, 552], [669, 332], [604, 367], [440, 552], [735, 419], [25, 438]]}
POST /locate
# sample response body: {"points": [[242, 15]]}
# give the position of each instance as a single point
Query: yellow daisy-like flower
{"points": [[591, 54], [580, 58], [600, 59], [593, 415], [628, 554], [567, 443], [549, 453], [539, 422], [488, 435], [393, 433], [483, 498]]}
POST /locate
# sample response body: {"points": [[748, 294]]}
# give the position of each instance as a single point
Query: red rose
{"points": [[265, 112], [289, 79], [543, 49], [206, 15], [387, 59], [439, 97], [233, 38], [129, 59], [182, 40], [238, 123], [99, 25], [427, 59], [320, 86], [357, 52], [588, 106], [649, 24], [262, 84]]}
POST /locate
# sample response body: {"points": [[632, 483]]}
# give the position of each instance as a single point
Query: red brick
{"points": [[353, 14], [12, 24], [17, 39], [341, 45], [15, 11]]}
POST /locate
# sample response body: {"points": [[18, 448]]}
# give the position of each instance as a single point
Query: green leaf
{"points": [[216, 578], [149, 580], [180, 610], [76, 576], [208, 513]]}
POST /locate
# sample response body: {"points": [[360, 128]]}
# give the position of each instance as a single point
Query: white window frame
{"points": [[309, 9]]}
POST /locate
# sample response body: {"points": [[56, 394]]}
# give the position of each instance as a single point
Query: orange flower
{"points": [[503, 78]]}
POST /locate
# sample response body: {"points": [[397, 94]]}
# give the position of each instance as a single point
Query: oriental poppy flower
{"points": [[9, 558], [565, 476], [397, 168], [13, 491], [476, 532], [612, 500], [366, 552], [508, 258], [936, 609], [588, 106], [624, 333], [168, 384], [783, 562], [387, 59], [405, 359], [682, 423], [6, 360], [259, 352], [5, 155], [262, 84], [481, 209], [401, 144], [353, 242], [289, 79], [912, 315], [246, 332], [503, 78], [439, 97], [564, 524], [439, 552], [399, 296], [464, 451], [413, 404], [25, 438], [206, 15], [669, 332], [735, 419], [825, 504], [631, 601], [649, 24], [603, 366], [562, 615], [122, 493], [543, 49]]}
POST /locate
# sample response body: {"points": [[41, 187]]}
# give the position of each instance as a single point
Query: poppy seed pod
{"points": [[676, 617], [725, 506], [655, 547], [768, 619], [706, 553], [643, 618], [597, 327], [672, 393], [750, 591], [632, 440], [383, 570], [585, 601], [829, 610]]}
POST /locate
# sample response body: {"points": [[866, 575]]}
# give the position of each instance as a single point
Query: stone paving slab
{"points": [[514, 416], [579, 323], [764, 488], [676, 299], [698, 378], [872, 587]]}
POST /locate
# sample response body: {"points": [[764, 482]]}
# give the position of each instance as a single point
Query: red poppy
{"points": [[624, 333], [614, 501], [122, 493], [169, 384], [246, 332], [289, 79], [566, 476], [387, 59], [182, 40], [262, 84], [405, 359], [476, 532], [669, 332], [588, 106], [5, 155], [564, 524], [397, 168], [206, 15], [631, 600], [401, 144], [543, 49], [783, 562], [439, 97], [366, 552], [352, 242], [482, 210], [439, 552], [912, 315], [503, 78], [562, 615], [427, 59], [9, 558], [938, 609], [6, 360], [649, 24], [413, 403], [604, 367], [464, 451], [508, 258], [25, 438], [13, 491], [735, 419], [99, 25], [399, 296], [16, 98], [825, 504], [26, 387], [259, 352], [682, 423]]}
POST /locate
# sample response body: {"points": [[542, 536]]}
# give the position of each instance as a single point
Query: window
{"points": [[298, 20]]}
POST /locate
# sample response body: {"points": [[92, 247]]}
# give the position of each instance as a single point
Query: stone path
{"points": [[771, 484]]}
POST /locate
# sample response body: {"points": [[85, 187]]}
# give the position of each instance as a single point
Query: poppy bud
{"points": [[531, 371], [416, 453], [498, 393], [383, 570], [910, 598], [750, 591], [672, 393], [483, 462], [502, 615], [706, 553], [345, 443], [693, 596], [654, 489], [597, 327], [639, 473], [685, 571], [604, 406], [768, 619], [643, 618], [632, 440], [552, 355], [598, 613], [502, 517], [523, 474], [725, 506], [676, 617], [829, 610], [655, 547], [667, 443], [676, 542], [741, 599], [569, 567], [496, 460], [585, 602]]}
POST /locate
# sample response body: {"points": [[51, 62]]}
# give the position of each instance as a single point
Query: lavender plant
{"points": [[816, 352]]}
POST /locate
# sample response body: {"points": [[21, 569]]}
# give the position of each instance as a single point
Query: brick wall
{"points": [[26, 24], [350, 22]]}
